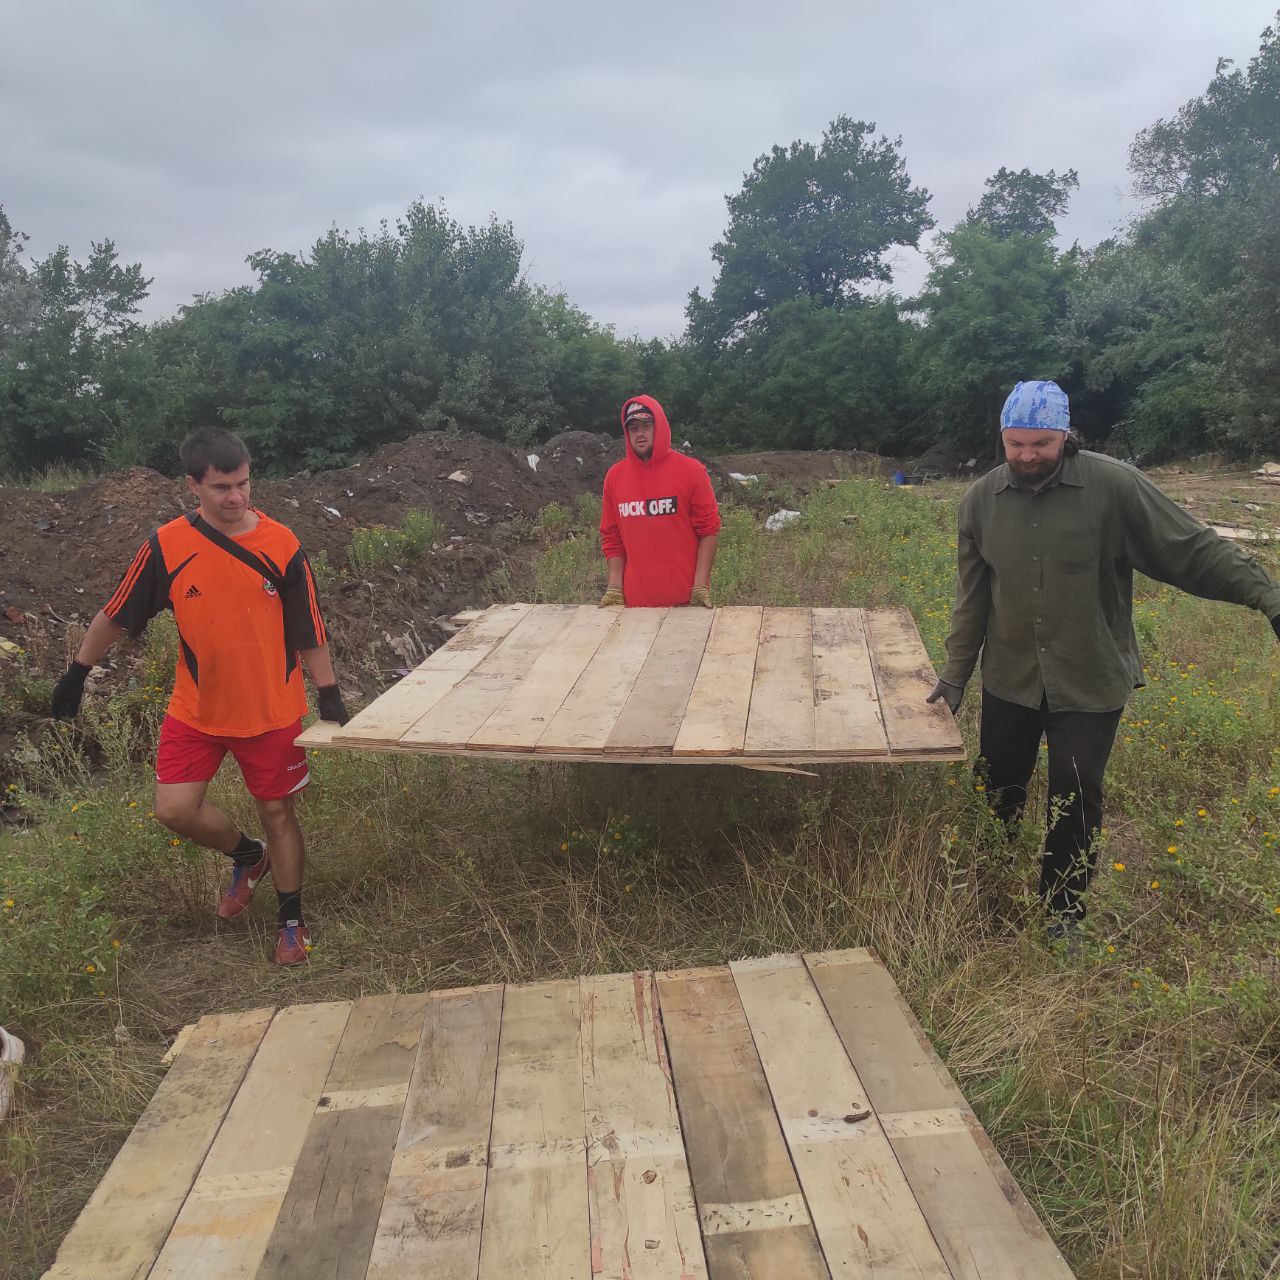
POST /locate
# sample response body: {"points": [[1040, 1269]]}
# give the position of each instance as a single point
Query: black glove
{"points": [[951, 694], [68, 691], [1275, 625], [329, 701]]}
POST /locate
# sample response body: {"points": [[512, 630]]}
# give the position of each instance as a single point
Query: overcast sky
{"points": [[609, 135]]}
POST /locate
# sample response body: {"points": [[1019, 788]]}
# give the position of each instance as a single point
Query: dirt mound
{"points": [[804, 469]]}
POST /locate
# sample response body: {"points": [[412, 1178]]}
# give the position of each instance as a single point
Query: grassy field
{"points": [[1134, 1090]]}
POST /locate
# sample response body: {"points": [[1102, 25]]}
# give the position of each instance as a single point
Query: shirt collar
{"points": [[1072, 473]]}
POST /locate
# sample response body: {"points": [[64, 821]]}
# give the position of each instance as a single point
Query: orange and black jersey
{"points": [[245, 607]]}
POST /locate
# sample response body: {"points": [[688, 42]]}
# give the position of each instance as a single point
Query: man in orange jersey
{"points": [[244, 599]]}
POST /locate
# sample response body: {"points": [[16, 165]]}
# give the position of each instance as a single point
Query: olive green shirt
{"points": [[1045, 581]]}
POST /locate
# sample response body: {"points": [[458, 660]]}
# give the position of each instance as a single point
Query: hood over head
{"points": [[661, 428]]}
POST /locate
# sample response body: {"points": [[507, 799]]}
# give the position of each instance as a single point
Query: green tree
{"points": [[1024, 203], [991, 305], [1224, 142], [811, 221], [54, 361]]}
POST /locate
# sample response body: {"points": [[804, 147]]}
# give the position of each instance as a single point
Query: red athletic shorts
{"points": [[273, 766]]}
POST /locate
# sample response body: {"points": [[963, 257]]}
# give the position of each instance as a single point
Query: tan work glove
{"points": [[612, 596], [701, 596]]}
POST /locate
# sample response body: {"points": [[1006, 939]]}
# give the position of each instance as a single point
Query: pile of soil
{"points": [[806, 469]]}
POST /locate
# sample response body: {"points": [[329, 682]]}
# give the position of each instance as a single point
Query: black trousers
{"points": [[1080, 745]]}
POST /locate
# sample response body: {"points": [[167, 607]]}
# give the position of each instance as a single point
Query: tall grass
{"points": [[1134, 1091]]}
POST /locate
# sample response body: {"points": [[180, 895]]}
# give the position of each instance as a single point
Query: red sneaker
{"points": [[244, 880], [293, 941]]}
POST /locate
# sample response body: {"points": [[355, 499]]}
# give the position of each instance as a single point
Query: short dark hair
{"points": [[212, 448]]}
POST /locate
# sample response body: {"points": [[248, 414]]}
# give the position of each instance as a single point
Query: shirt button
{"points": [[1035, 588], [1035, 524], [1039, 619], [1043, 649]]}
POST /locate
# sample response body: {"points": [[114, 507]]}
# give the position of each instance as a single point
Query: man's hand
{"points": [[611, 597], [701, 596], [329, 702], [951, 694], [68, 691]]}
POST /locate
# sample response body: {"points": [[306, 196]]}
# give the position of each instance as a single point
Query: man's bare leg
{"points": [[283, 834], [182, 808]]}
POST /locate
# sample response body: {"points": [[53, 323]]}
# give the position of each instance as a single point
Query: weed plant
{"points": [[383, 547], [1134, 1090]]}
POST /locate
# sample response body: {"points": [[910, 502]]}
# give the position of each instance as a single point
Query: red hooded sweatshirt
{"points": [[653, 515]]}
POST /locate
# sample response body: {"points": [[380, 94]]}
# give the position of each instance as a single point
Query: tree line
{"points": [[1167, 336]]}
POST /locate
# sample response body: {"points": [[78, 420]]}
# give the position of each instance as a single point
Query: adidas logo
{"points": [[193, 592]]}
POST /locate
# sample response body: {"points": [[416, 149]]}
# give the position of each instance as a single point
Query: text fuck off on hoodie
{"points": [[653, 515]]}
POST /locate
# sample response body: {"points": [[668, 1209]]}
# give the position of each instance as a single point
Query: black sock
{"points": [[248, 852], [290, 907]]}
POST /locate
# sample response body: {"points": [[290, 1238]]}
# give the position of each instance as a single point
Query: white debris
{"points": [[533, 461], [460, 477], [578, 461], [741, 479], [779, 519], [334, 512]]}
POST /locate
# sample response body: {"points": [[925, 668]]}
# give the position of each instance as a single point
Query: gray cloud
{"points": [[193, 135]]}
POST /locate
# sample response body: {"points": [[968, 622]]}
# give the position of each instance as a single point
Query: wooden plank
{"points": [[531, 706], [754, 1220], [330, 1213], [715, 721], [434, 1204], [122, 1228], [905, 678], [979, 1217], [867, 1219], [650, 720], [846, 713], [644, 1225], [483, 690], [536, 1224], [586, 719], [405, 703], [781, 719], [228, 1218]]}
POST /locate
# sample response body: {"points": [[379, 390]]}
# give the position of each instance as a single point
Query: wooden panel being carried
{"points": [[775, 1119], [738, 685]]}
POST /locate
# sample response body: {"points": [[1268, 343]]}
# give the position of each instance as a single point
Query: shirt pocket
{"points": [[1074, 549]]}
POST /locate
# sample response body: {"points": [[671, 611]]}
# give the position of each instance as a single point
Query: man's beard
{"points": [[1035, 472]]}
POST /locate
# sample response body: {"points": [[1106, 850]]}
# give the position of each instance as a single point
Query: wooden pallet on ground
{"points": [[775, 1119], [739, 685]]}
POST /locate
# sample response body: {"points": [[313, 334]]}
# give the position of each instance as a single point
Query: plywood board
{"points": [[846, 712], [585, 721], [904, 679], [536, 1223], [651, 719], [531, 706], [330, 1214], [754, 1219], [123, 1227], [981, 1221], [861, 1203], [715, 720], [434, 1204], [643, 1222], [465, 708], [224, 1226], [781, 718], [387, 718]]}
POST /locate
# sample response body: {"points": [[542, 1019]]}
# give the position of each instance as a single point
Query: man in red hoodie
{"points": [[659, 522]]}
